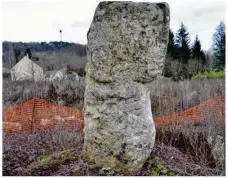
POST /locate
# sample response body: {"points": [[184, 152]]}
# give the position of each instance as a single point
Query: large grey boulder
{"points": [[127, 44]]}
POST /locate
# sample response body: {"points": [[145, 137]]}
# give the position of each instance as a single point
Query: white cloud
{"points": [[41, 20]]}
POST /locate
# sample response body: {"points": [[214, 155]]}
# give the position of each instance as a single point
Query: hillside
{"points": [[51, 56]]}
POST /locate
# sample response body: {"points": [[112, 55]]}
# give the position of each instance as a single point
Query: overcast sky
{"points": [[34, 20]]}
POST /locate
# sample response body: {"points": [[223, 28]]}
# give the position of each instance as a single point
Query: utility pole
{"points": [[60, 31]]}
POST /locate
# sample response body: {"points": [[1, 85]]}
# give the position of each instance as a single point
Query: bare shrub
{"points": [[20, 150], [199, 141], [17, 92], [60, 59], [172, 67], [69, 91], [65, 138], [168, 97]]}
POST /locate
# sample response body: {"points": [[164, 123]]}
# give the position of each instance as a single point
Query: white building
{"points": [[55, 75], [27, 69]]}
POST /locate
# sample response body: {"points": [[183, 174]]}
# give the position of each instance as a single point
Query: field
{"points": [[183, 146], [114, 88]]}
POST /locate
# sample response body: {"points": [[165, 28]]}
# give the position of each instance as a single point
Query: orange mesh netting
{"points": [[37, 114], [213, 108]]}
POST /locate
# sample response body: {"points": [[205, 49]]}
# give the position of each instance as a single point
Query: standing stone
{"points": [[127, 44]]}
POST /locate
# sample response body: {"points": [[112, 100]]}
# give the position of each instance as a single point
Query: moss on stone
{"points": [[110, 161]]}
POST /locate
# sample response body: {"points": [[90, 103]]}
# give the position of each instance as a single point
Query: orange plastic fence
{"points": [[211, 109], [39, 114]]}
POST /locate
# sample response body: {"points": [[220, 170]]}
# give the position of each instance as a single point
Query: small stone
{"points": [[170, 173], [92, 166], [164, 171], [77, 169], [111, 173], [105, 171]]}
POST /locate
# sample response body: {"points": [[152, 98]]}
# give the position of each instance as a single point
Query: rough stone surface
{"points": [[217, 145], [127, 44]]}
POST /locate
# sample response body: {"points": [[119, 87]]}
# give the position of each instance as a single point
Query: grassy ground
{"points": [[58, 152]]}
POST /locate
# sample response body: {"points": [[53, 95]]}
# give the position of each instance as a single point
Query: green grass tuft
{"points": [[159, 169], [210, 75], [43, 159]]}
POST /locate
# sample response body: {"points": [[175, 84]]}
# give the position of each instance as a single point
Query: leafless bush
{"points": [[172, 67], [72, 93], [65, 137], [60, 59], [169, 97], [17, 92], [67, 91], [200, 140], [20, 150]]}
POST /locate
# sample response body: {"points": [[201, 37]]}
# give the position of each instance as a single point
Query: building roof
{"points": [[25, 58], [27, 69]]}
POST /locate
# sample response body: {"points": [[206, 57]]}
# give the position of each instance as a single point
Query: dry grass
{"points": [[66, 92], [168, 97], [199, 141]]}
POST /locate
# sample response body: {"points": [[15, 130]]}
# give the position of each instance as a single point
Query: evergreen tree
{"points": [[17, 54], [203, 58], [29, 53], [183, 44], [171, 45], [219, 46], [197, 52], [196, 49]]}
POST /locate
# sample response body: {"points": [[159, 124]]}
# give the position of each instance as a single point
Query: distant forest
{"points": [[51, 56], [20, 47]]}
